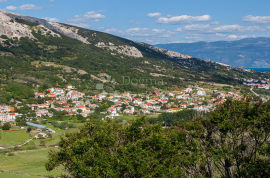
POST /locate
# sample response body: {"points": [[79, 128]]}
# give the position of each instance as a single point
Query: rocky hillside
{"points": [[34, 51], [246, 53]]}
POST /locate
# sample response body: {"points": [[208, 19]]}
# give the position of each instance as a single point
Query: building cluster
{"points": [[255, 83], [74, 102]]}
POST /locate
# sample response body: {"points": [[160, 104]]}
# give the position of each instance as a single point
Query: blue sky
{"points": [[156, 21]]}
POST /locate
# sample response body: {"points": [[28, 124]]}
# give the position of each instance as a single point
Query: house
{"points": [[51, 95], [41, 135], [198, 108], [188, 90], [173, 110], [94, 106], [126, 95], [128, 111], [201, 93], [11, 117], [81, 107], [42, 112], [67, 109], [41, 95], [137, 101], [3, 117], [183, 105], [34, 106], [69, 87], [98, 97], [156, 108], [44, 106], [145, 111], [164, 101]]}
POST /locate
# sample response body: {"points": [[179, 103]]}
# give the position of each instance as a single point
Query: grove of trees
{"points": [[232, 141]]}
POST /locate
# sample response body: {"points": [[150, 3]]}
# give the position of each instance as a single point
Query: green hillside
{"points": [[50, 61]]}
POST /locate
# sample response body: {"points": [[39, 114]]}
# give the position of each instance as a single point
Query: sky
{"points": [[155, 21]]}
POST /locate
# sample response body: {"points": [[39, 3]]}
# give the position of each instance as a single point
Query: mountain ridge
{"points": [[245, 53]]}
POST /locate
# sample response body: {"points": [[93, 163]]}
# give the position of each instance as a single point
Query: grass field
{"points": [[30, 163], [13, 138], [29, 159], [14, 175]]}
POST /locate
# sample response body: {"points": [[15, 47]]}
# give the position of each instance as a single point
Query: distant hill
{"points": [[245, 53]]}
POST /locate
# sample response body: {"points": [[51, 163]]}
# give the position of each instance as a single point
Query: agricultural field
{"points": [[28, 160], [26, 163], [13, 138]]}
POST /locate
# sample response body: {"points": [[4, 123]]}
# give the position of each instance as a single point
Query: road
{"points": [[263, 99]]}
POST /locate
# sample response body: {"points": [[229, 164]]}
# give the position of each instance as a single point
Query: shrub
{"points": [[11, 154]]}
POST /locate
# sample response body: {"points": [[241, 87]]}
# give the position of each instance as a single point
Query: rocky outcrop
{"points": [[69, 31], [10, 28], [124, 49], [171, 54]]}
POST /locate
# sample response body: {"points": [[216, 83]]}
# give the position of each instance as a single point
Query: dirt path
{"points": [[29, 151]]}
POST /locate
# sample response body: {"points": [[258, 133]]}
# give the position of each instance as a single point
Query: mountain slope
{"points": [[246, 53], [36, 52]]}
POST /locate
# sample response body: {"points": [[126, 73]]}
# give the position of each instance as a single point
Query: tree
{"points": [[234, 139], [29, 129], [119, 151], [42, 143], [6, 126], [79, 111]]}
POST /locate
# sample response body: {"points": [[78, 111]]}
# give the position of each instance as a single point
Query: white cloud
{"points": [[88, 16], [216, 37], [256, 19], [237, 28], [100, 28], [24, 7], [183, 19], [12, 8], [232, 36], [154, 15], [196, 27], [214, 28], [3, 0], [52, 0], [83, 25], [30, 7], [142, 32], [113, 31], [220, 35], [51, 19]]}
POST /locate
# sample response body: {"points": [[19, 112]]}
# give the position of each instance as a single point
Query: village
{"points": [[255, 83], [75, 102]]}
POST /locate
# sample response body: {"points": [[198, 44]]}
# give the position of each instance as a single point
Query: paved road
{"points": [[263, 99]]}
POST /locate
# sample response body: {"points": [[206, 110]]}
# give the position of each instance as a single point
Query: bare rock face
{"points": [[69, 31], [124, 49], [10, 28], [171, 54]]}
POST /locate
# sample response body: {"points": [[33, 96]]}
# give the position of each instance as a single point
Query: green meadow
{"points": [[28, 164], [13, 138]]}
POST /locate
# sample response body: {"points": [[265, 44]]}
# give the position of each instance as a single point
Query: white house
{"points": [[70, 87], [201, 93]]}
